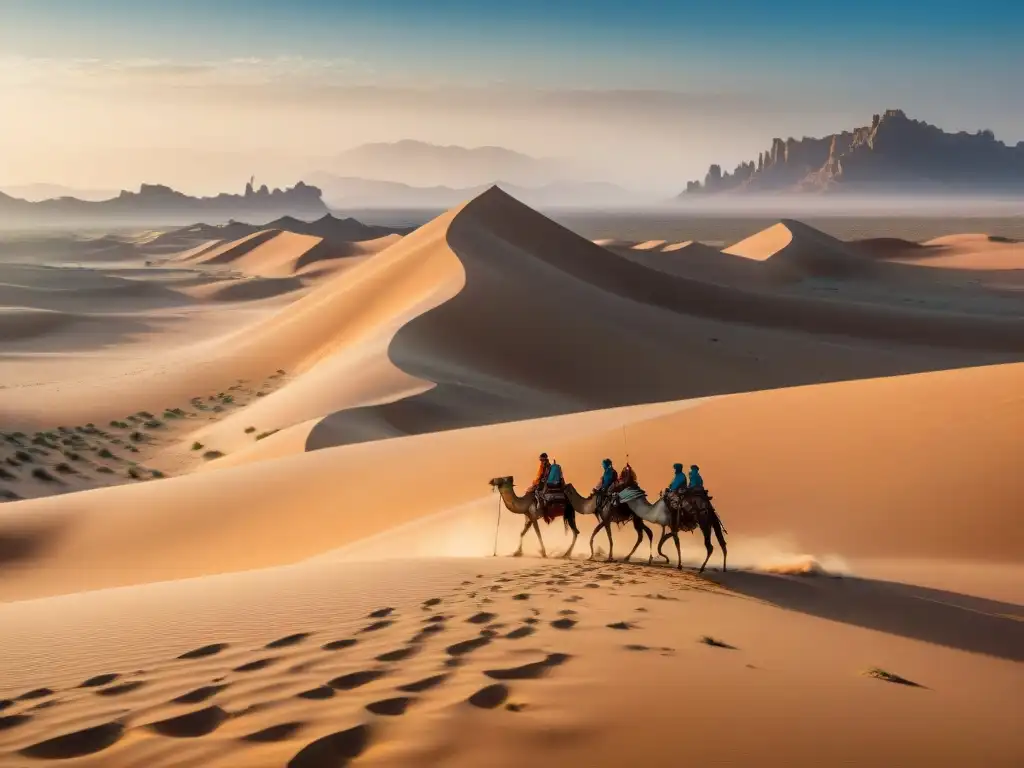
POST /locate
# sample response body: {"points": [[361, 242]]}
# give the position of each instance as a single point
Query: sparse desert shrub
{"points": [[18, 435], [39, 452], [197, 446], [262, 435], [13, 461], [132, 448], [41, 474], [119, 424], [7, 475], [261, 393], [66, 469], [228, 399], [145, 414], [73, 456], [23, 456], [137, 436], [134, 473], [153, 424], [117, 441], [249, 430], [106, 454], [105, 470], [280, 371], [157, 474], [218, 408], [65, 430], [170, 415], [210, 455], [42, 440], [67, 441], [8, 495]]}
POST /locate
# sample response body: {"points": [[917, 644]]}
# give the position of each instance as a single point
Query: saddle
{"points": [[552, 501], [683, 514]]}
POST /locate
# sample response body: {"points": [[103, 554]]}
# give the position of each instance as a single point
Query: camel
{"points": [[527, 505], [606, 515], [697, 508]]}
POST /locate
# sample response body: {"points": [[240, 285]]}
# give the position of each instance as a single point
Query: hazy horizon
{"points": [[200, 96]]}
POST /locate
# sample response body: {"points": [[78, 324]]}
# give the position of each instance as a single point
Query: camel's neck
{"points": [[582, 505], [513, 502]]}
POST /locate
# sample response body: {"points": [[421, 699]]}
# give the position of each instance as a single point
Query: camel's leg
{"points": [[706, 530], [716, 523], [611, 543], [664, 537], [650, 540], [519, 552], [597, 529], [637, 523], [571, 520], [543, 552], [679, 551]]}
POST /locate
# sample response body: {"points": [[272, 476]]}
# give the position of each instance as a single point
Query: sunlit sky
{"points": [[646, 93]]}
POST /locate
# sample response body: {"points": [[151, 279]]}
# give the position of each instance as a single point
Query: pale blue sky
{"points": [[647, 91]]}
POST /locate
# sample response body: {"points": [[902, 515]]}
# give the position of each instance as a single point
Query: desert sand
{"points": [[315, 584]]}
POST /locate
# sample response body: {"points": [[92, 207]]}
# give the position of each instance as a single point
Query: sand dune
{"points": [[315, 585], [796, 250]]}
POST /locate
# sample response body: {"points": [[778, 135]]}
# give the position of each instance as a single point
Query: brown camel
{"points": [[606, 515], [527, 505], [697, 512]]}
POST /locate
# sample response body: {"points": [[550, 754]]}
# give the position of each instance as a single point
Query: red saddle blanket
{"points": [[553, 503]]}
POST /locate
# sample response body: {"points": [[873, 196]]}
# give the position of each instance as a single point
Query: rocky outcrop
{"points": [[156, 204], [892, 154]]}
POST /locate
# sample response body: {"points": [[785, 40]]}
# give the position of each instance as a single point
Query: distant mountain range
{"points": [[157, 205], [341, 192], [37, 192], [894, 154], [419, 164]]}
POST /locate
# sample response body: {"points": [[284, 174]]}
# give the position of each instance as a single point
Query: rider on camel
{"points": [[678, 480], [627, 478], [608, 477], [542, 473], [696, 481], [554, 479]]}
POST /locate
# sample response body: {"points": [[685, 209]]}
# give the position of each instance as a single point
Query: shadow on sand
{"points": [[935, 616]]}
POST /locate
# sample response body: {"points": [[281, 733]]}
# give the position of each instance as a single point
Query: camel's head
{"points": [[501, 482]]}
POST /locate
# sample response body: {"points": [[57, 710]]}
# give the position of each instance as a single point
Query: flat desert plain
{"points": [[247, 517]]}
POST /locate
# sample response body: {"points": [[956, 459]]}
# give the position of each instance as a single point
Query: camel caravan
{"points": [[618, 498]]}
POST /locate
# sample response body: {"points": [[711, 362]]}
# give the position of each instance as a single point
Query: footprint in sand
{"points": [[491, 697], [431, 602], [715, 643], [336, 749], [521, 596], [258, 664], [620, 625], [467, 646], [290, 640], [436, 619], [563, 623], [481, 618], [121, 689], [5, 703], [399, 655], [199, 695], [355, 680], [206, 650], [317, 694], [381, 613], [521, 632], [377, 625], [529, 671], [36, 693], [99, 680], [390, 707], [425, 684], [337, 645], [427, 631], [191, 725], [77, 744], [663, 651], [281, 732], [12, 721]]}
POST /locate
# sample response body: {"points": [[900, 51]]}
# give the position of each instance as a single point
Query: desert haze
{"points": [[249, 520]]}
